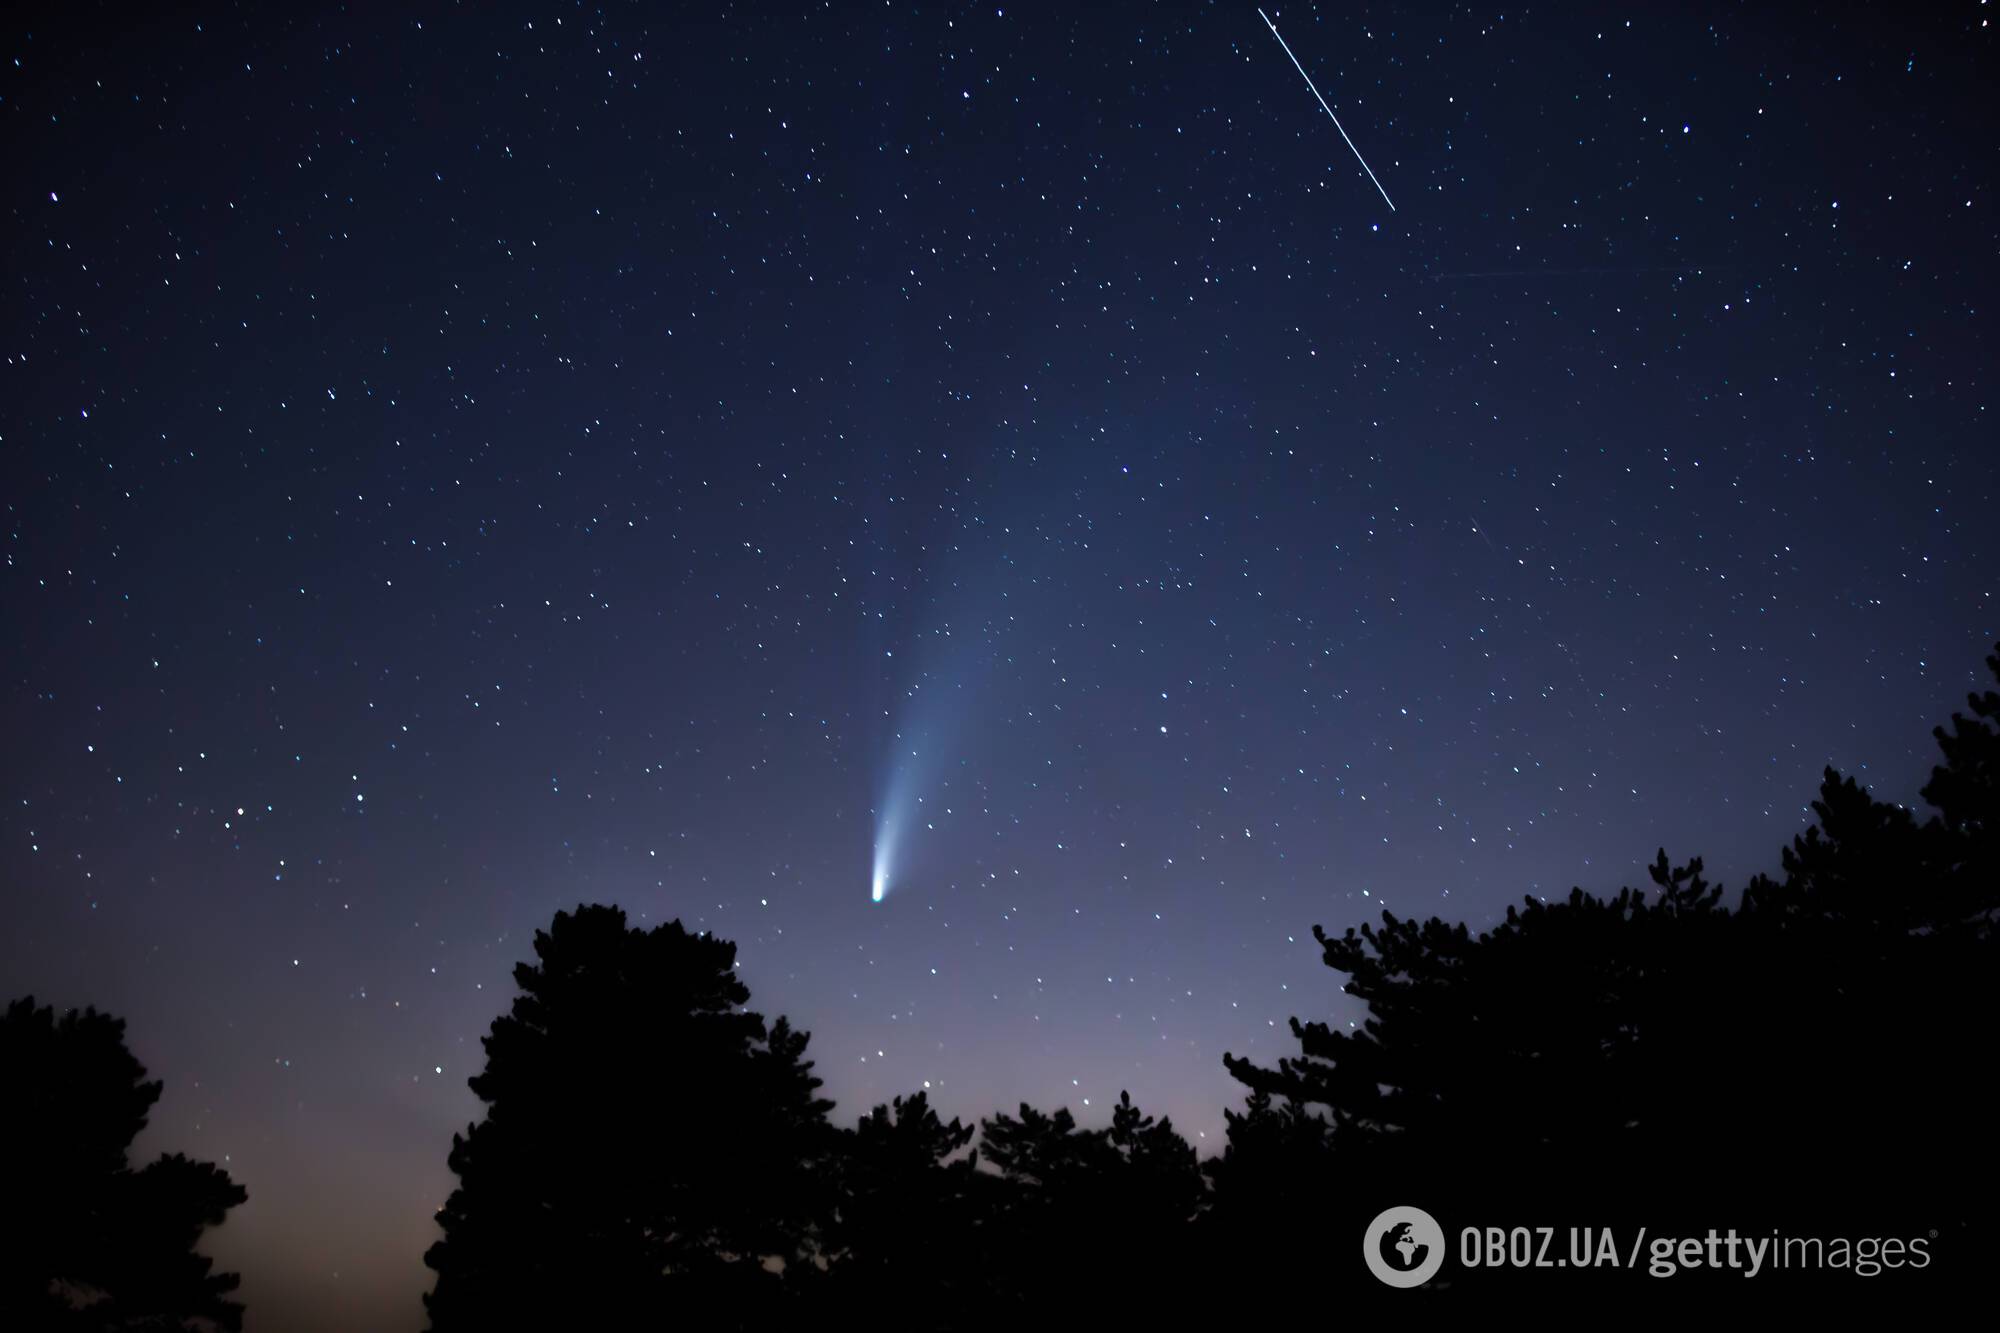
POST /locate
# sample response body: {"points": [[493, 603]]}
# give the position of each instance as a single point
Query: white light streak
{"points": [[1329, 110], [888, 841]]}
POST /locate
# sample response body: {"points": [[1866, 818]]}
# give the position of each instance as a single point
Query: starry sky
{"points": [[460, 461]]}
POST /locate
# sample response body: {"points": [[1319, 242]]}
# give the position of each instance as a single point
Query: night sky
{"points": [[462, 461]]}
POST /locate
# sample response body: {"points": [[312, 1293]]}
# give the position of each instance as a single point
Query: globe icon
{"points": [[1401, 1247], [1404, 1247]]}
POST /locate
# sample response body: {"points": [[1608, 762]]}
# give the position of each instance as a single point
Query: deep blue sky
{"points": [[458, 461]]}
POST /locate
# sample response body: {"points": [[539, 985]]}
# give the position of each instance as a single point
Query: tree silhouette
{"points": [[1810, 1055], [1091, 1221], [1815, 1056], [1965, 789], [94, 1243], [906, 1234], [650, 1148]]}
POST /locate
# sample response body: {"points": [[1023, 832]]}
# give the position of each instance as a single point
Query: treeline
{"points": [[1810, 1058], [651, 1147]]}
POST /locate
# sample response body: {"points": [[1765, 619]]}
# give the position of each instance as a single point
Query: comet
{"points": [[889, 837], [1329, 110]]}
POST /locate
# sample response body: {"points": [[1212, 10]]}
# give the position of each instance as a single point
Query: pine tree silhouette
{"points": [[650, 1151], [93, 1243], [1094, 1223], [906, 1235], [1814, 1057]]}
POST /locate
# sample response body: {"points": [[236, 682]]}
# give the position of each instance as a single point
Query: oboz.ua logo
{"points": [[1404, 1247]]}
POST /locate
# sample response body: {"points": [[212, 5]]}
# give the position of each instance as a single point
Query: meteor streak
{"points": [[1329, 110]]}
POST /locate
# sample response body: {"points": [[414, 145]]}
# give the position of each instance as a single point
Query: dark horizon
{"points": [[463, 465]]}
